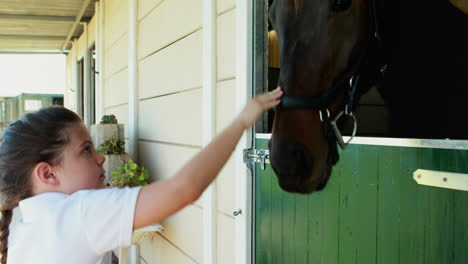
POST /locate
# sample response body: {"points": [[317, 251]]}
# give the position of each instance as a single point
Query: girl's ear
{"points": [[44, 174]]}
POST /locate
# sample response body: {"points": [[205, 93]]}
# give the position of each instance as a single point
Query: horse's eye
{"points": [[340, 5]]}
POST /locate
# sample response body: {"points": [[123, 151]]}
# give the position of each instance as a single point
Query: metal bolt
{"points": [[445, 179], [419, 176]]}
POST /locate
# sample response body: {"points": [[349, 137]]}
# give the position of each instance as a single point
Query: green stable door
{"points": [[371, 211]]}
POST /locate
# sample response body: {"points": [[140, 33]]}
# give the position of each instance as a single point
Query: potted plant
{"points": [[107, 128], [108, 119], [114, 151], [129, 174]]}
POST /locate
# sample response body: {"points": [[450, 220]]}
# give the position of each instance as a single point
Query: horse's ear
{"points": [[340, 5]]}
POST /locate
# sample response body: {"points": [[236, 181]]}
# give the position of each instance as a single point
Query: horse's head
{"points": [[320, 42]]}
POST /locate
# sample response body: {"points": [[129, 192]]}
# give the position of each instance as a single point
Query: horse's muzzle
{"points": [[293, 164]]}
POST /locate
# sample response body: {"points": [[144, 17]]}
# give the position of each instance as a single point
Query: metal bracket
{"points": [[442, 179], [252, 156]]}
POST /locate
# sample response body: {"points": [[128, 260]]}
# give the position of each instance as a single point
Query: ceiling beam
{"points": [[32, 52], [31, 37], [80, 14], [37, 18]]}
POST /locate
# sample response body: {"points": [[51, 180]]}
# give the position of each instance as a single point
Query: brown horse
{"points": [[333, 51]]}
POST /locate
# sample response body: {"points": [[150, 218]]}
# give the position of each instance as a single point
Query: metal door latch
{"points": [[252, 156]]}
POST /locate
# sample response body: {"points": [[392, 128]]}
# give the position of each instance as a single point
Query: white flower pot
{"points": [[100, 133], [113, 162]]}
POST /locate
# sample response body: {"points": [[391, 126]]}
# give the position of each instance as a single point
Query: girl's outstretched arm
{"points": [[161, 199]]}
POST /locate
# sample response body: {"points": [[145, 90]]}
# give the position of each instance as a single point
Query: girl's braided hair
{"points": [[37, 137]]}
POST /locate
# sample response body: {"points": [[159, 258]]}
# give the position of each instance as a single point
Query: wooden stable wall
{"points": [[371, 212], [169, 92], [169, 81], [170, 39], [115, 74]]}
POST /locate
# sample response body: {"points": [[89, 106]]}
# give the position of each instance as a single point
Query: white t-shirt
{"points": [[80, 228]]}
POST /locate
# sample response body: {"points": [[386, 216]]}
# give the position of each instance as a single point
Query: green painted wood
{"points": [[460, 219], [330, 219], [367, 169], [357, 229], [264, 208], [316, 213], [440, 221], [372, 211], [349, 206], [323, 212], [276, 222], [288, 228], [388, 208], [264, 211], [411, 206], [300, 228]]}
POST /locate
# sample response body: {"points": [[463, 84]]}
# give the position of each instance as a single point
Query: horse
{"points": [[333, 51]]}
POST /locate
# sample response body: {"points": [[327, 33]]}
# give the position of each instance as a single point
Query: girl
{"points": [[51, 170]]}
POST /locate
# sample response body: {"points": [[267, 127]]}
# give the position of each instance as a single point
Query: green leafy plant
{"points": [[108, 119], [112, 146], [130, 174]]}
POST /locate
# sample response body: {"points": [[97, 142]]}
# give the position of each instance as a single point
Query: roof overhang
{"points": [[42, 26]]}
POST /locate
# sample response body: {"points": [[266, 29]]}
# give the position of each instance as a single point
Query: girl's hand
{"points": [[259, 104]]}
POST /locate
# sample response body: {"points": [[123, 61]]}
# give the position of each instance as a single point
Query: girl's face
{"points": [[81, 165]]}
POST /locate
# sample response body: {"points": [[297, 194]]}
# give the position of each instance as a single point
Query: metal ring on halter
{"points": [[346, 111], [354, 129], [339, 137], [320, 114], [351, 81]]}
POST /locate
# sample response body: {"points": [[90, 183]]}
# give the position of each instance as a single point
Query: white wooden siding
{"points": [[163, 160], [173, 118], [226, 242], [69, 96], [157, 249], [81, 46], [146, 6], [115, 22], [225, 105], [116, 57], [121, 113], [226, 42], [167, 23], [225, 113], [185, 231], [175, 68], [226, 188], [224, 5], [91, 31], [115, 90]]}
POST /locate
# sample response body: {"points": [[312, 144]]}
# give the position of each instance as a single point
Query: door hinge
{"points": [[252, 156]]}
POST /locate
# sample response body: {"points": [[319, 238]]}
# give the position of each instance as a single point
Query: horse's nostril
{"points": [[292, 163]]}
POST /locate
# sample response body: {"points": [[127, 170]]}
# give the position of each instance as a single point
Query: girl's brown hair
{"points": [[36, 137]]}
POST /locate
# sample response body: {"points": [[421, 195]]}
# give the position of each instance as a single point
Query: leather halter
{"points": [[322, 102]]}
